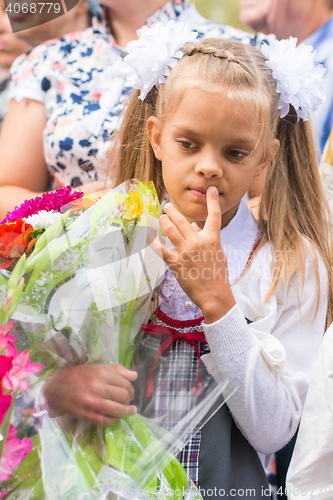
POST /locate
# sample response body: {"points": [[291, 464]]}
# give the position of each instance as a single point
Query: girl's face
{"points": [[208, 140]]}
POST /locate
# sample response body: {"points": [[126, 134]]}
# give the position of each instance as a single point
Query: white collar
{"points": [[237, 240]]}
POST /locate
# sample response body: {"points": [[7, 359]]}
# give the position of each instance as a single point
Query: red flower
{"points": [[5, 401], [15, 240], [6, 364]]}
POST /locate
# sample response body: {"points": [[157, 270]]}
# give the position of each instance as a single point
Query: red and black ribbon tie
{"points": [[173, 334]]}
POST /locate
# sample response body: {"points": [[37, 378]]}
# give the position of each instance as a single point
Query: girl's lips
{"points": [[199, 194]]}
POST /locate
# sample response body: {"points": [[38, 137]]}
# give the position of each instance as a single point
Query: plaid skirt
{"points": [[175, 376], [217, 457]]}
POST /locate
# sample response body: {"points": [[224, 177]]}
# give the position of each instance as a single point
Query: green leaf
{"points": [[7, 312], [101, 209], [125, 330], [37, 233], [28, 473], [3, 281], [46, 258], [16, 275], [87, 459], [153, 456], [52, 232]]}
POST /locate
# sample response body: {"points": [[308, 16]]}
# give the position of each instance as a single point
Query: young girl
{"points": [[257, 289]]}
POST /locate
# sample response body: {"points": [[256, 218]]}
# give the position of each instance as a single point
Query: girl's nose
{"points": [[209, 166]]}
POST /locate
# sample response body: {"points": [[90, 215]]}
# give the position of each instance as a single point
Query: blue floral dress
{"points": [[78, 80]]}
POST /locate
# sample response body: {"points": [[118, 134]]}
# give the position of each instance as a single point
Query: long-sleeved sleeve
{"points": [[270, 360]]}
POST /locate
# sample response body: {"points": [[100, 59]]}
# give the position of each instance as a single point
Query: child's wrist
{"points": [[216, 308]]}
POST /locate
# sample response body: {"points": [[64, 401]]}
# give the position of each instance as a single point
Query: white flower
{"points": [[150, 58], [43, 219], [299, 79]]}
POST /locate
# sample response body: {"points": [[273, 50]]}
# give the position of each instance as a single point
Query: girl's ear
{"points": [[275, 146], [154, 130]]}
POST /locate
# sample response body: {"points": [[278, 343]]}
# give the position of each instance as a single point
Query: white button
{"points": [[276, 366], [188, 305]]}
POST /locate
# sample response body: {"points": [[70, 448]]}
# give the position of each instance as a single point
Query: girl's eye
{"points": [[236, 154], [187, 144]]}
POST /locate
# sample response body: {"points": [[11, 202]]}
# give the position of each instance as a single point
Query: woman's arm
{"points": [[23, 172]]}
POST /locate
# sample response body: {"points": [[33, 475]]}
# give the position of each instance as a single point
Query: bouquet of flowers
{"points": [[82, 276]]}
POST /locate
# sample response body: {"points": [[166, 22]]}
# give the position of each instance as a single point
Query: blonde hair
{"points": [[293, 205]]}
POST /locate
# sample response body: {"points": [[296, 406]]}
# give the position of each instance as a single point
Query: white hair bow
{"points": [[299, 79]]}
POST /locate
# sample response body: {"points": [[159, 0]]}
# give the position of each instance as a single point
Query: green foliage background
{"points": [[221, 11]]}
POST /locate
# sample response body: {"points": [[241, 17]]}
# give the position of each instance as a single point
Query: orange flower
{"points": [[83, 203], [15, 240]]}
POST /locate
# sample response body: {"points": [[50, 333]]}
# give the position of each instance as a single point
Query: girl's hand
{"points": [[99, 394], [197, 260]]}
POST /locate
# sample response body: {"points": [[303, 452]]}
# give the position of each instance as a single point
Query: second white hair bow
{"points": [[299, 79]]}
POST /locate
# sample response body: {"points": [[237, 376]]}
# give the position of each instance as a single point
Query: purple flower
{"points": [[48, 201]]}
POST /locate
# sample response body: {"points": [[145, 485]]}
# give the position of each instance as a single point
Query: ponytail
{"points": [[133, 155], [293, 204]]}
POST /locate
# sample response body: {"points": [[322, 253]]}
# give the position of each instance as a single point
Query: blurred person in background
{"points": [[36, 27], [13, 45], [67, 97], [310, 21], [254, 13]]}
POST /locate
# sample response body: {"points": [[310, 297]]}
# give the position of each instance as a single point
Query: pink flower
{"points": [[22, 368], [4, 337], [13, 453], [6, 364], [5, 401], [3, 493], [48, 201]]}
